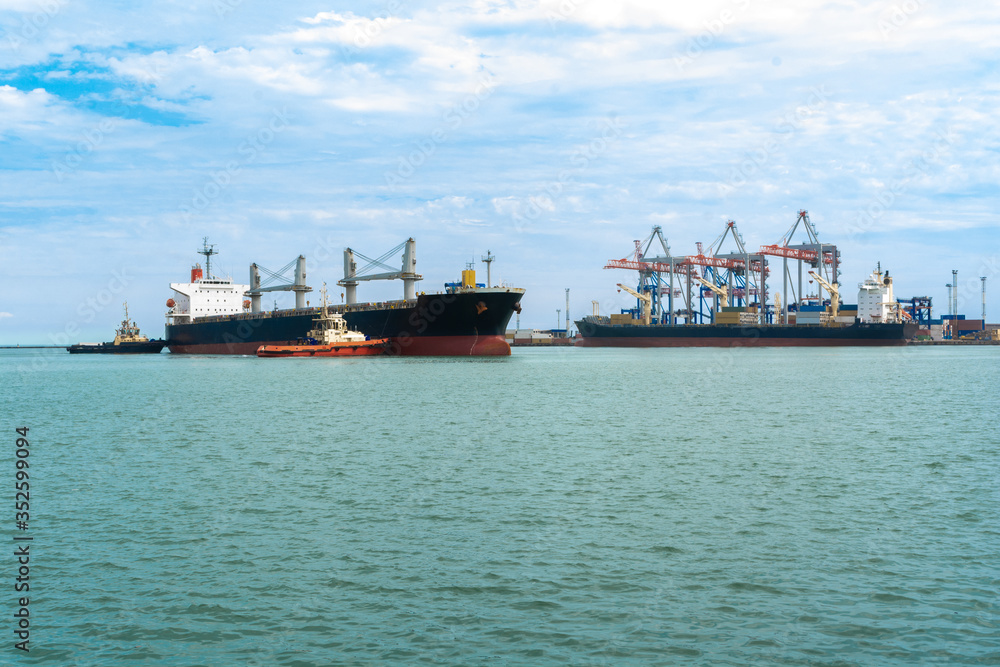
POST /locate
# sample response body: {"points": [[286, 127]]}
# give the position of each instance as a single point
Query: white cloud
{"points": [[505, 205], [27, 111], [451, 202], [359, 105], [24, 6]]}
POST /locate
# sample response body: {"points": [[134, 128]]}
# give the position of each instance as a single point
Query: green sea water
{"points": [[557, 507]]}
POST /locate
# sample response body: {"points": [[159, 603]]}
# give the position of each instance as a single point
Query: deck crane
{"points": [[646, 300], [722, 292], [834, 291]]}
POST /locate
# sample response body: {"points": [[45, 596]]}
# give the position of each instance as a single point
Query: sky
{"points": [[552, 134]]}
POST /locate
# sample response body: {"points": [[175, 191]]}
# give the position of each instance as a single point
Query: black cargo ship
{"points": [[457, 322], [599, 332], [211, 315]]}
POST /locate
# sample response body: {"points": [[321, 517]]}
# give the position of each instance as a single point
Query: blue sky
{"points": [[550, 133]]}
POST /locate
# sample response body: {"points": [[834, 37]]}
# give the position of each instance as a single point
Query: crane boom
{"points": [[646, 303], [832, 289], [722, 291]]}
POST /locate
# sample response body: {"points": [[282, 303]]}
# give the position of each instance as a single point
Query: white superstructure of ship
{"points": [[206, 295], [876, 302]]}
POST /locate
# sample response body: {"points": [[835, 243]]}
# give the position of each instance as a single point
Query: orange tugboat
{"points": [[329, 338]]}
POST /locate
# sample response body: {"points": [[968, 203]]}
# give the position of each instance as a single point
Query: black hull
{"points": [[594, 334], [149, 347], [469, 323]]}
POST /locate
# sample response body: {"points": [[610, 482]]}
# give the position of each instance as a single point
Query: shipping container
{"points": [[969, 325]]}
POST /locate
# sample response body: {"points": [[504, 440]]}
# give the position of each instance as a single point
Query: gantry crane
{"points": [[646, 301], [742, 267], [834, 291], [738, 270], [821, 256], [900, 313]]}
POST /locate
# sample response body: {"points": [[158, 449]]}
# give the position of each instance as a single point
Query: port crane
{"points": [[820, 256], [742, 265], [834, 291], [646, 301], [651, 270], [918, 308], [721, 292], [742, 273]]}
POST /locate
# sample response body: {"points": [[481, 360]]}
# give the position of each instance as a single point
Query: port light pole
{"points": [[567, 312], [951, 322], [954, 293], [983, 279]]}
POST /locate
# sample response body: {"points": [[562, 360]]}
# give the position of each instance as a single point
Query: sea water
{"points": [[557, 507]]}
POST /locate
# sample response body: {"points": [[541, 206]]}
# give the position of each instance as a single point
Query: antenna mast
{"points": [[208, 250], [488, 259]]}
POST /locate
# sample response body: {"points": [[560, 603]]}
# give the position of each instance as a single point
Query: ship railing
{"points": [[312, 310], [377, 305]]}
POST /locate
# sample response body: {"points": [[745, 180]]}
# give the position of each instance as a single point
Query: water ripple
{"points": [[557, 507]]}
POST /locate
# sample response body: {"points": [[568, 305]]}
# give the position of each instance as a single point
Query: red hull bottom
{"points": [[366, 348], [445, 346], [735, 342], [450, 346]]}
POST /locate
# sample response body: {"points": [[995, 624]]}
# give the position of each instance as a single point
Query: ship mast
{"points": [[128, 332], [208, 250], [488, 259], [325, 303]]}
